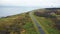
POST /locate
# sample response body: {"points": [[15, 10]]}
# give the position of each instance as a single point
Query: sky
{"points": [[36, 3]]}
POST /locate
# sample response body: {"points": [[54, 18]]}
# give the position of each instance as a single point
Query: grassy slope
{"points": [[45, 23], [21, 21]]}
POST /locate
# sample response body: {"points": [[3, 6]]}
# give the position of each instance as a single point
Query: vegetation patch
{"points": [[50, 19], [17, 24]]}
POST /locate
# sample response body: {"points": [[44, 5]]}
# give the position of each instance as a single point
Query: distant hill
{"points": [[52, 8]]}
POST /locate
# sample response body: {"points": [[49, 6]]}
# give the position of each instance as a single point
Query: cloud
{"points": [[39, 3]]}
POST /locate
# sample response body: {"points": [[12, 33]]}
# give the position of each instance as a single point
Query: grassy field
{"points": [[17, 24], [50, 22], [47, 25]]}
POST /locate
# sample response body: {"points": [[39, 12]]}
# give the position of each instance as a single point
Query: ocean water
{"points": [[12, 10]]}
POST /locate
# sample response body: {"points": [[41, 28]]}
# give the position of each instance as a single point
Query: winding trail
{"points": [[36, 23]]}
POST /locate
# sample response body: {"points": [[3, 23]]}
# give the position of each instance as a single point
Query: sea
{"points": [[13, 10]]}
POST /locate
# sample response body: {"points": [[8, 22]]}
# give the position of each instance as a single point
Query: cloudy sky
{"points": [[40, 3]]}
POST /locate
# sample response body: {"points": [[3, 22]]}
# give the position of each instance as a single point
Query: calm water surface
{"points": [[7, 11]]}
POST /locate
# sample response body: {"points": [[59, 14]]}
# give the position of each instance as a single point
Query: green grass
{"points": [[29, 28], [46, 23]]}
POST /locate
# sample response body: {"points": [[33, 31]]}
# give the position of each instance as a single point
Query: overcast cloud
{"points": [[40, 3]]}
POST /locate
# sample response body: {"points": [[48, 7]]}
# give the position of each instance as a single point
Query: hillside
{"points": [[17, 24], [40, 21], [49, 18]]}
